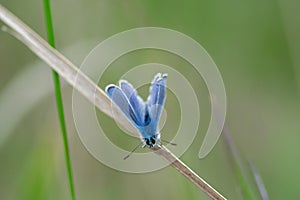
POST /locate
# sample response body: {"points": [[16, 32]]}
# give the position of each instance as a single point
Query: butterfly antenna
{"points": [[171, 143], [133, 150]]}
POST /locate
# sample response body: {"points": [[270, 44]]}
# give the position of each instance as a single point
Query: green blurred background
{"points": [[256, 46]]}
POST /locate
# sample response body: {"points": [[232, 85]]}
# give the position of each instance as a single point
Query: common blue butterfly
{"points": [[143, 115]]}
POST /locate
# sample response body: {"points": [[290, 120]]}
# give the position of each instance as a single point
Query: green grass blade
{"points": [[259, 182], [51, 41], [235, 159]]}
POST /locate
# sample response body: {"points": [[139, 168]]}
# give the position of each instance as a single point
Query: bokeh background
{"points": [[256, 46]]}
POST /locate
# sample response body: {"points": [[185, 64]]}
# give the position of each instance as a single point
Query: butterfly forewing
{"points": [[157, 97], [120, 99]]}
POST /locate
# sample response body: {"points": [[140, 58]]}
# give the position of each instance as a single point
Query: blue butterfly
{"points": [[143, 115]]}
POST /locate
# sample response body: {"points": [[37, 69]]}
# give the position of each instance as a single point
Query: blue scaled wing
{"points": [[157, 98]]}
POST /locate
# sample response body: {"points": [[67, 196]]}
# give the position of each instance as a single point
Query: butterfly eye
{"points": [[152, 140], [147, 141]]}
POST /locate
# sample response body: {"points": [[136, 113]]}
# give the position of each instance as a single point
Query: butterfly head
{"points": [[151, 141]]}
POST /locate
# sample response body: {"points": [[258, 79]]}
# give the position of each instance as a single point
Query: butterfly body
{"points": [[143, 115]]}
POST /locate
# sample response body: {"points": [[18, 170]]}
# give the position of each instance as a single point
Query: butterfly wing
{"points": [[136, 102], [157, 98], [121, 100]]}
